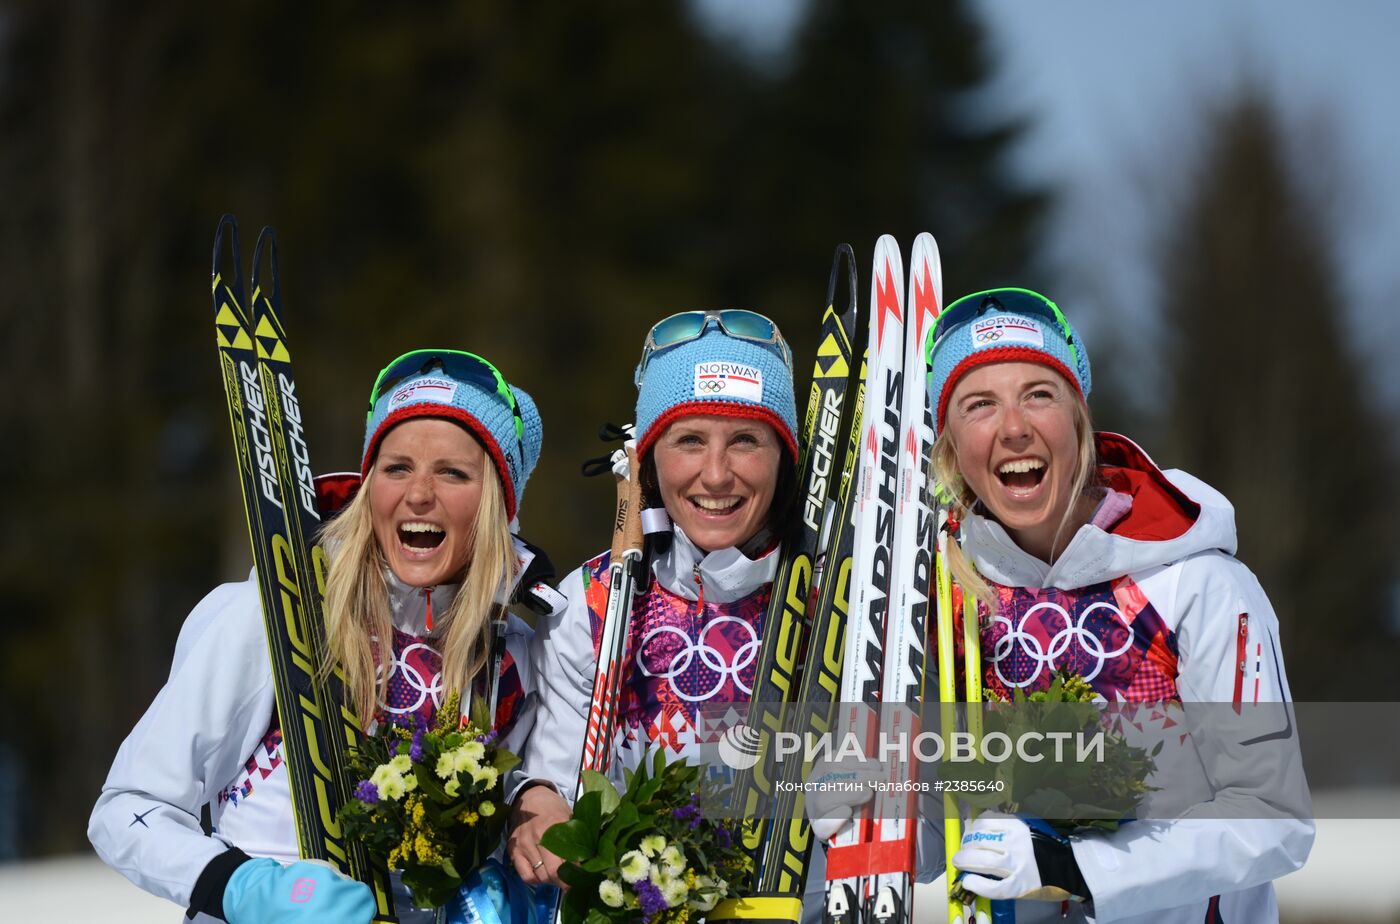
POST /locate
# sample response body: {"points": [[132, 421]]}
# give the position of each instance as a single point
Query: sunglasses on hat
{"points": [[1012, 301], [738, 323], [455, 364]]}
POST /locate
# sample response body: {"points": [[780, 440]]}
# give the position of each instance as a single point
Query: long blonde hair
{"points": [[357, 599], [944, 471]]}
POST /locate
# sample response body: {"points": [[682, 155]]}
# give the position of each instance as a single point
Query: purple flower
{"points": [[651, 899], [415, 750], [367, 792], [722, 835], [487, 739], [690, 813]]}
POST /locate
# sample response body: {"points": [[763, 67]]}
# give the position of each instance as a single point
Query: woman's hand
{"points": [[535, 811]]}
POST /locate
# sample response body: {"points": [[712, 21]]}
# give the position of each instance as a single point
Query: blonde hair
{"points": [[357, 599], [943, 468]]}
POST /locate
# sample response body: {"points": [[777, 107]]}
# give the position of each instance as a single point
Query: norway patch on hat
{"points": [[729, 380], [1006, 329], [425, 388]]}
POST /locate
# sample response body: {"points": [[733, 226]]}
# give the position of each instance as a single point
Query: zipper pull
{"points": [[428, 599], [700, 587]]}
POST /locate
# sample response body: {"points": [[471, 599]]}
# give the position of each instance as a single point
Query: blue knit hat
{"points": [[1000, 326], [466, 389], [715, 374]]}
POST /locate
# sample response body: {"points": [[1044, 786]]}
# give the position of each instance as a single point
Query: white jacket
{"points": [[1201, 630], [209, 739]]}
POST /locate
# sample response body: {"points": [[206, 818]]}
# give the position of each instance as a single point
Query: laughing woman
{"points": [[422, 555], [1091, 560], [723, 464]]}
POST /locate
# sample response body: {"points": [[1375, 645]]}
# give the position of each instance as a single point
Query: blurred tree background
{"points": [[537, 184]]}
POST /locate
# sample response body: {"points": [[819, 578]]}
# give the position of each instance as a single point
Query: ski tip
{"points": [[228, 225], [267, 242]]}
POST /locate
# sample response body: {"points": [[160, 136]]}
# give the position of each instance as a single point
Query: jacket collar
{"points": [[409, 604], [728, 574]]}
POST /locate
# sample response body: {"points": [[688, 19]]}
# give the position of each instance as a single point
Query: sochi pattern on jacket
{"points": [[683, 652]]}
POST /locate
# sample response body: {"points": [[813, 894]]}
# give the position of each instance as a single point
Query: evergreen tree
{"points": [[1269, 402]]}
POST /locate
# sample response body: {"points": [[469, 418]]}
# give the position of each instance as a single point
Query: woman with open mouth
{"points": [[715, 433], [1088, 560], [422, 563]]}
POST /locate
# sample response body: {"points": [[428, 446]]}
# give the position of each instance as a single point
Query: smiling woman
{"points": [[422, 560], [1089, 560], [716, 442]]}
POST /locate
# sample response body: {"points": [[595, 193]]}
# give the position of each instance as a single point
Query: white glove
{"points": [[998, 860], [835, 790]]}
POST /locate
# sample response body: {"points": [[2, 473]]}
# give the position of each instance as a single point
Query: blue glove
{"points": [[264, 891]]}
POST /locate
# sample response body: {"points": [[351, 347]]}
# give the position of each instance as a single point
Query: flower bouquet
{"points": [[649, 853], [429, 799], [1070, 795], [1058, 796]]}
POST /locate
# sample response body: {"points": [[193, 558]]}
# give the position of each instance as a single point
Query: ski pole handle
{"points": [[627, 523]]}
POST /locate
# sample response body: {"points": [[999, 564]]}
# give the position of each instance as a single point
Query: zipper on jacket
{"points": [[428, 600], [700, 590]]}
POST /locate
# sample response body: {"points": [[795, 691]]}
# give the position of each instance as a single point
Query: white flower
{"points": [[704, 901], [653, 844], [610, 891], [474, 750], [462, 760], [445, 767], [453, 787], [486, 809], [487, 775], [410, 782], [635, 867], [674, 891], [388, 781], [402, 763], [674, 860]]}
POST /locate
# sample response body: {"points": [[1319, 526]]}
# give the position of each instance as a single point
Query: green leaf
{"points": [[593, 781]]}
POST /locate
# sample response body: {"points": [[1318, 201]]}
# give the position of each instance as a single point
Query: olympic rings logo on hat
{"points": [[712, 386], [988, 336]]}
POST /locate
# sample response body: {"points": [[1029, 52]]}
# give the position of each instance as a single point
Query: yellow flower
{"points": [[469, 818], [418, 812], [427, 853]]}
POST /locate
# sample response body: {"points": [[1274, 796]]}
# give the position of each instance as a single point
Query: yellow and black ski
{"points": [[280, 501], [794, 659]]}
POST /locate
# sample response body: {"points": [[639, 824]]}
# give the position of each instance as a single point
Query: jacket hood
{"points": [[1173, 515]]}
